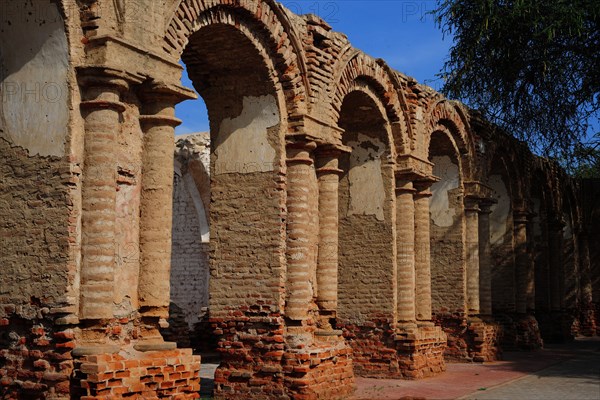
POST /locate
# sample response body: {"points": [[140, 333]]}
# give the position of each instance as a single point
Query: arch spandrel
{"points": [[268, 23]]}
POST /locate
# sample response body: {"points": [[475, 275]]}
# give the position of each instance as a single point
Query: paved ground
{"points": [[565, 372], [562, 372]]}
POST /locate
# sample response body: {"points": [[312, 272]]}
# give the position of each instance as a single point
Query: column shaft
{"points": [[422, 256], [405, 233], [472, 250], [530, 275], [299, 251], [102, 113], [521, 261], [555, 237], [158, 125], [485, 262], [328, 175]]}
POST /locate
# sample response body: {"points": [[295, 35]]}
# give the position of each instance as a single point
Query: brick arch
{"points": [[360, 69], [264, 22], [366, 89], [447, 115], [505, 154]]}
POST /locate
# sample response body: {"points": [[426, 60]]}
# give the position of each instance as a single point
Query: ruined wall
{"points": [[366, 249], [274, 83], [501, 239], [447, 239]]}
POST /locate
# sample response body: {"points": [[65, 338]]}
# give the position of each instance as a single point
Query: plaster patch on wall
{"points": [[367, 192], [190, 185], [34, 112], [442, 214], [500, 210], [242, 144]]}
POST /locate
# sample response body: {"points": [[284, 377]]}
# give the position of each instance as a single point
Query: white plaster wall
{"points": [[242, 144], [34, 61], [442, 214], [500, 210], [190, 185], [367, 192]]}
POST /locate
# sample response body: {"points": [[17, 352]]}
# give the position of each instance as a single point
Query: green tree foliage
{"points": [[532, 67]]}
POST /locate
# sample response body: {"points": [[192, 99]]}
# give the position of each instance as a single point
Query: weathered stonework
{"points": [[339, 219]]}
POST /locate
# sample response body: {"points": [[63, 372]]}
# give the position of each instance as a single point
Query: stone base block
{"points": [[484, 338], [519, 332], [321, 372], [374, 349], [421, 351], [259, 362], [456, 328], [145, 371], [555, 326], [587, 321], [409, 352]]}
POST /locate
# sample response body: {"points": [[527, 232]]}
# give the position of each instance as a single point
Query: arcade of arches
{"points": [[339, 220]]}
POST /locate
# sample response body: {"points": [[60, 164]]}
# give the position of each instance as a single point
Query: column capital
{"points": [[299, 151], [485, 205], [164, 93], [409, 167], [331, 150], [404, 186], [423, 185], [98, 76], [522, 216], [471, 204], [477, 190]]}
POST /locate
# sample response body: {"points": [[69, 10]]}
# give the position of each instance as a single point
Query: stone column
{"points": [[405, 239], [472, 252], [299, 252], [328, 175], [158, 124], [588, 320], [422, 253], [522, 264], [485, 259], [531, 256], [102, 111]]}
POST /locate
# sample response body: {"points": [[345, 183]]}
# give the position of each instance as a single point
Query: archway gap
{"points": [[366, 210], [445, 113], [265, 22], [361, 69], [447, 225]]}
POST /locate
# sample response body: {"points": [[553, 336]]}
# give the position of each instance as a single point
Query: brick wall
{"points": [[37, 274]]}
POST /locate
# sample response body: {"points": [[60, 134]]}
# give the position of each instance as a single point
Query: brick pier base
{"points": [[381, 351], [587, 325], [258, 362], [143, 371], [484, 338], [421, 351], [555, 326], [519, 332], [470, 339]]}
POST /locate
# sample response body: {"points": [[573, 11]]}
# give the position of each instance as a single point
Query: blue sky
{"points": [[398, 31]]}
